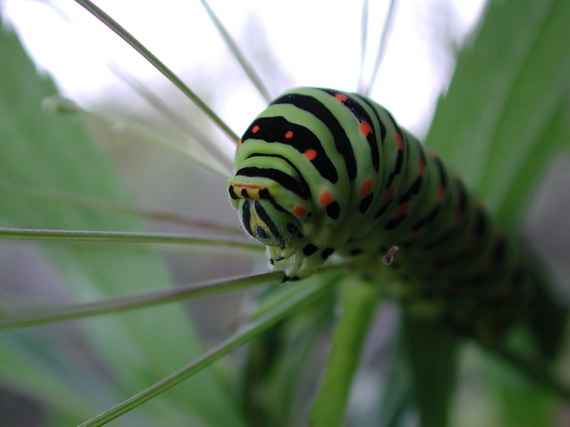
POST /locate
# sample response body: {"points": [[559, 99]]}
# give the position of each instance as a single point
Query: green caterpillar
{"points": [[322, 171]]}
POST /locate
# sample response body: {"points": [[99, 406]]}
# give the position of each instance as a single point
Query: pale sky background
{"points": [[313, 43]]}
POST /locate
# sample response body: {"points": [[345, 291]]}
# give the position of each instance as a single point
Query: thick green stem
{"points": [[359, 301]]}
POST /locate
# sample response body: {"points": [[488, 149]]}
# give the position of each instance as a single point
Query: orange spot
{"points": [[388, 195], [255, 129], [402, 210], [365, 188], [399, 142], [310, 154], [289, 134], [255, 187], [421, 166], [365, 128], [239, 142], [326, 198], [300, 210], [440, 192], [341, 97]]}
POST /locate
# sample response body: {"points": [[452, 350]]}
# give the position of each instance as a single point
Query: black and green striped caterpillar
{"points": [[322, 171]]}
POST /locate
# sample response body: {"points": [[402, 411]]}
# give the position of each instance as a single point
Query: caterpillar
{"points": [[322, 171]]}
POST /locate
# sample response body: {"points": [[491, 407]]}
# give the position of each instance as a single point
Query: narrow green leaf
{"points": [[507, 91], [221, 166], [513, 196], [159, 65], [291, 376], [122, 237], [310, 293], [50, 153], [76, 200], [204, 151], [277, 369], [237, 54], [40, 315], [539, 91], [386, 27]]}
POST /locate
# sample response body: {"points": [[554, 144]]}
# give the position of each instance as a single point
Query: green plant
{"points": [[510, 85]]}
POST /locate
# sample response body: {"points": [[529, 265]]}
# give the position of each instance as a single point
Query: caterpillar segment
{"points": [[321, 171]]}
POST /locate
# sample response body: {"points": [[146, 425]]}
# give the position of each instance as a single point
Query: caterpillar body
{"points": [[322, 171]]}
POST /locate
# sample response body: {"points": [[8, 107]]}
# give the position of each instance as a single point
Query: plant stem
{"points": [[359, 301], [111, 206], [39, 315], [248, 332], [159, 65], [121, 237]]}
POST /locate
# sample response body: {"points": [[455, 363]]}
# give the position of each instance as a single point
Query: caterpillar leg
{"points": [[388, 257], [293, 262]]}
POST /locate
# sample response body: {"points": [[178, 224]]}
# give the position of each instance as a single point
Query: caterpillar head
{"points": [[274, 209], [268, 212], [267, 223]]}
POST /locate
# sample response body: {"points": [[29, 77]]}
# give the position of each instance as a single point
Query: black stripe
{"points": [[383, 209], [362, 116], [267, 220], [442, 173], [426, 219], [365, 203], [266, 195], [333, 210], [321, 112], [246, 217], [276, 175], [429, 246], [400, 159], [302, 182], [393, 223], [462, 204], [414, 189], [233, 194], [374, 108], [273, 130], [396, 126], [397, 168]]}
